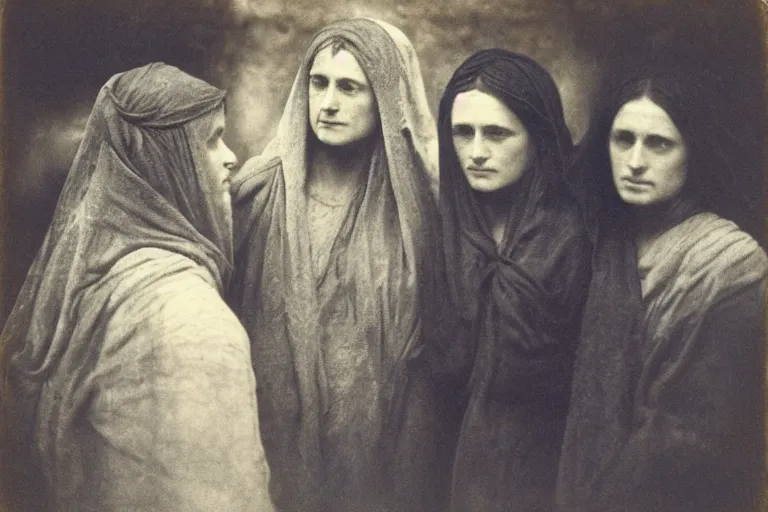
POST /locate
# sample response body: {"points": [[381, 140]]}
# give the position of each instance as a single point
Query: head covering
{"points": [[510, 333], [528, 90], [380, 260], [137, 181]]}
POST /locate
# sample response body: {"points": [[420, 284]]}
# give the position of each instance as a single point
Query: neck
{"points": [[338, 171], [653, 220]]}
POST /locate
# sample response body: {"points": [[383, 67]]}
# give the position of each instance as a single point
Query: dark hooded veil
{"points": [[135, 182], [509, 336], [368, 300]]}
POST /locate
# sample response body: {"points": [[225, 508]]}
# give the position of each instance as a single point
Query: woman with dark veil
{"points": [[517, 269], [667, 405], [333, 228], [126, 380]]}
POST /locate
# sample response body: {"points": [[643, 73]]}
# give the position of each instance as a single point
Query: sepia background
{"points": [[57, 53]]}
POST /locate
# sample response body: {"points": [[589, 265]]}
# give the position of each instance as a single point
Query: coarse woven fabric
{"points": [[667, 407], [507, 337], [359, 439], [77, 339]]}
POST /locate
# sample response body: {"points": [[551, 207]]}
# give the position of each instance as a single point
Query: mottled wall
{"points": [[57, 53], [273, 37]]}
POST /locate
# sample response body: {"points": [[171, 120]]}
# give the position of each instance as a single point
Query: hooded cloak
{"points": [[120, 359], [512, 322], [345, 419]]}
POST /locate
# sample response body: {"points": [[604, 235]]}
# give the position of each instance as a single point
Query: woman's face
{"points": [[217, 164], [491, 143], [342, 106], [648, 154]]}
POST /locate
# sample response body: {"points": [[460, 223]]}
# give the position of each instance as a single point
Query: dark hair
{"points": [[688, 99], [528, 90]]}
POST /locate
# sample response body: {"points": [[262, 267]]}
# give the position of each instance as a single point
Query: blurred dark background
{"points": [[57, 53]]}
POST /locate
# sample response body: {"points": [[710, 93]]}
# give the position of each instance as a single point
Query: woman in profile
{"points": [[667, 406], [333, 228], [517, 269], [126, 380]]}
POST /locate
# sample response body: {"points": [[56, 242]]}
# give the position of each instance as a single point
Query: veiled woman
{"points": [[517, 268], [127, 382], [667, 407], [333, 228]]}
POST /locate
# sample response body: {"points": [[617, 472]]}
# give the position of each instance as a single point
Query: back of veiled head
{"points": [[163, 116], [160, 96], [134, 183], [528, 90]]}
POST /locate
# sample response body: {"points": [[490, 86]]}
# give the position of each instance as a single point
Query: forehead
{"points": [[216, 123], [339, 66], [478, 108], [644, 116]]}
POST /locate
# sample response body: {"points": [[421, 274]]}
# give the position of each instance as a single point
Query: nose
{"points": [[330, 102], [479, 153], [636, 162]]}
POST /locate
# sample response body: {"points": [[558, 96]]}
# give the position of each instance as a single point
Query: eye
{"points": [[497, 132], [348, 86], [214, 140], [623, 139], [318, 82], [659, 143], [463, 131]]}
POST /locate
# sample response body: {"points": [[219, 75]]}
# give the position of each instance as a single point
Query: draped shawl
{"points": [[375, 282], [136, 182], [512, 322], [667, 404]]}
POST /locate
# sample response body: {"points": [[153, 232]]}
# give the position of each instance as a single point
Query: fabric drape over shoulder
{"points": [[331, 449], [101, 347], [667, 408], [509, 332]]}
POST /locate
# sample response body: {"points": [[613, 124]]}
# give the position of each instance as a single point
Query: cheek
{"points": [[460, 145], [366, 113], [678, 172], [516, 153], [314, 103], [617, 157]]}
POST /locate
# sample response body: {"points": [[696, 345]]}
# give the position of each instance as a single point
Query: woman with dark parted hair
{"points": [[517, 269], [667, 405], [126, 379], [334, 228]]}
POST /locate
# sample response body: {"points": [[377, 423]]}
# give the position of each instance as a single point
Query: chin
{"points": [[483, 186], [333, 141], [637, 200]]}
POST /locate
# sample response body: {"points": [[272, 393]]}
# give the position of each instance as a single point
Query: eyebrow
{"points": [[218, 132], [620, 130], [342, 79]]}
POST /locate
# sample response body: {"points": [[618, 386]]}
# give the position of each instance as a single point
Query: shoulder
{"points": [[256, 174], [718, 247], [564, 228], [170, 295], [704, 258]]}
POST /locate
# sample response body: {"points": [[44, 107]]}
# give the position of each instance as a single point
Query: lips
{"points": [[480, 170], [637, 182], [322, 122]]}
